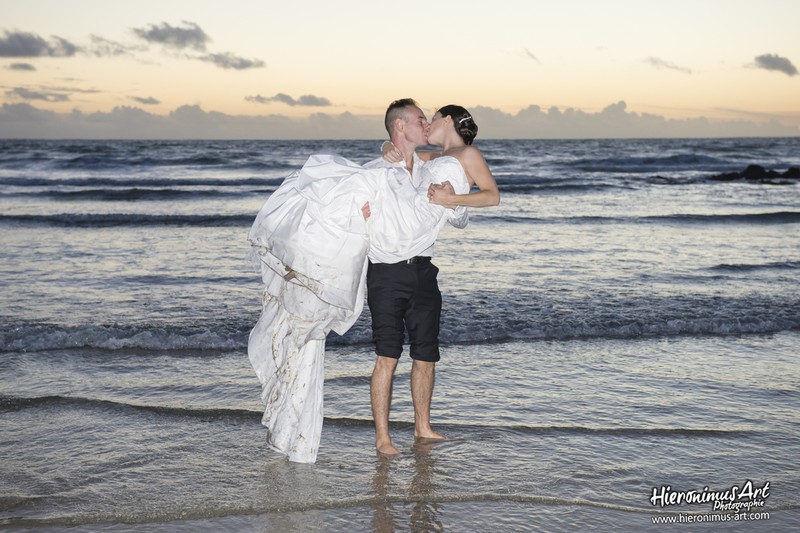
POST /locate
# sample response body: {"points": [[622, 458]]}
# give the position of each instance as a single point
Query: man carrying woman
{"points": [[315, 283]]}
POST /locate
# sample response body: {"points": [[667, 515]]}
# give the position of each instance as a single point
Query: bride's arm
{"points": [[476, 168], [393, 155]]}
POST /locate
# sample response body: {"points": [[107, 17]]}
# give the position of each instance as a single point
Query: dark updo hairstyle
{"points": [[462, 120]]}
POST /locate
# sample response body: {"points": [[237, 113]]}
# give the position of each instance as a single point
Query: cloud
{"points": [[191, 36], [188, 36], [21, 44], [27, 94], [62, 89], [530, 55], [615, 121], [145, 101], [776, 62], [51, 93], [23, 120], [230, 61], [21, 67], [102, 47], [663, 64], [305, 100], [187, 122]]}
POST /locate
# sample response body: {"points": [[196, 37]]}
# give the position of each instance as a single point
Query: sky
{"points": [[322, 69]]}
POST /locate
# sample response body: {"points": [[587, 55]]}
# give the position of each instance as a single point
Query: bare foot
{"points": [[387, 450], [429, 436]]}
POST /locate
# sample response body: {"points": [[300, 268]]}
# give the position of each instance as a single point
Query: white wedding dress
{"points": [[313, 244]]}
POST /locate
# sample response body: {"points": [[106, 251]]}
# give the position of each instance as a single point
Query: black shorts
{"points": [[402, 297]]}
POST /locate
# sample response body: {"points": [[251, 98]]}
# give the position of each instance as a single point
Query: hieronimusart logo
{"points": [[736, 499]]}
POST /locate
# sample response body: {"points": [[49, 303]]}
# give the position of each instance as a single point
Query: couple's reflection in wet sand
{"points": [[392, 501]]}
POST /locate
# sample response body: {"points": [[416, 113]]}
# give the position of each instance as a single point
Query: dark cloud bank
{"points": [[192, 122]]}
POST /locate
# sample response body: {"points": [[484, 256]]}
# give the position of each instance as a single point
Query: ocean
{"points": [[620, 341]]}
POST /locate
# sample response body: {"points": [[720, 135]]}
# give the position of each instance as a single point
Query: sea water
{"points": [[620, 331]]}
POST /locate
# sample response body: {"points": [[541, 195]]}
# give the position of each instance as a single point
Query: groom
{"points": [[404, 295]]}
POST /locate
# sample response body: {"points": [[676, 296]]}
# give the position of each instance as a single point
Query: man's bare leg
{"points": [[422, 378], [381, 397]]}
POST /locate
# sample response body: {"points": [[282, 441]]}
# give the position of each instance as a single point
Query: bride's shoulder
{"points": [[470, 152]]}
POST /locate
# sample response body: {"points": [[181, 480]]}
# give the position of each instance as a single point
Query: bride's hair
{"points": [[465, 125]]}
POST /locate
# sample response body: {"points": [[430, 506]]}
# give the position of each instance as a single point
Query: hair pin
{"points": [[461, 120]]}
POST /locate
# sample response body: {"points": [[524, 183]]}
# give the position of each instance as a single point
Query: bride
{"points": [[312, 239]]}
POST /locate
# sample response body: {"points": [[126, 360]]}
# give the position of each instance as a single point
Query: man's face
{"points": [[416, 126]]}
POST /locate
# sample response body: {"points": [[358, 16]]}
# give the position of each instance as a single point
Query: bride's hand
{"points": [[391, 153], [365, 211]]}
